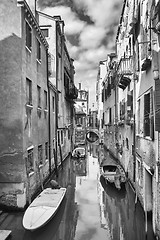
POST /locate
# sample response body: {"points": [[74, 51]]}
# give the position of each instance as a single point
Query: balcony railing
{"points": [[71, 92], [125, 66]]}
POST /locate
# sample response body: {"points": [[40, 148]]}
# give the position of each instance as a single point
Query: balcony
{"points": [[125, 66], [71, 92]]}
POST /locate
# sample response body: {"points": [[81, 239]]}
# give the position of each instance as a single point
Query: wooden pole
{"points": [[40, 177], [28, 180], [60, 150]]}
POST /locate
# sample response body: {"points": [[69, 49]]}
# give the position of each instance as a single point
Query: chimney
{"points": [[79, 86], [57, 17]]}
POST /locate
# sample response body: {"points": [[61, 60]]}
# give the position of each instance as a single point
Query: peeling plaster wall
{"points": [[11, 156], [17, 132]]}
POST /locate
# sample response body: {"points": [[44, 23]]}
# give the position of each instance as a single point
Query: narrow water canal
{"points": [[106, 213], [91, 209]]}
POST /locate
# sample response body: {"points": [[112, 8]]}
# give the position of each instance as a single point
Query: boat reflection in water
{"points": [[112, 191], [120, 216]]}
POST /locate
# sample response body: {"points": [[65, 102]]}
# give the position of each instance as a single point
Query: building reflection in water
{"points": [[93, 150], [122, 218], [63, 224]]}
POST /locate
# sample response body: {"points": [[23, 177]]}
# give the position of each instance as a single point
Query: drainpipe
{"points": [[49, 116]]}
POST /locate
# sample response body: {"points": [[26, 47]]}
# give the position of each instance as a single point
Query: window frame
{"points": [[45, 100], [45, 30], [46, 151], [62, 137], [39, 97], [39, 54], [30, 160], [148, 118], [40, 154], [28, 37], [53, 104], [28, 92]]}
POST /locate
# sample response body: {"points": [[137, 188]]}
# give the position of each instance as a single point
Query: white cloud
{"points": [[91, 36], [101, 11], [73, 50], [93, 55], [72, 23], [90, 51]]}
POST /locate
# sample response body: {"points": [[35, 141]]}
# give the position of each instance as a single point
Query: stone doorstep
{"points": [[4, 234]]}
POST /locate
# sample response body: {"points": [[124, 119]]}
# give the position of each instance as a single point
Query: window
{"points": [[138, 171], [28, 91], [127, 143], [61, 136], [148, 115], [38, 96], [45, 99], [28, 36], [38, 50], [49, 64], [53, 104], [122, 110], [53, 147], [30, 160], [110, 115], [58, 137], [40, 156], [45, 32], [138, 116], [46, 150], [69, 134], [59, 68]]}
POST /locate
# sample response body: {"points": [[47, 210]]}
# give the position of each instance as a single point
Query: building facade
{"points": [[61, 75], [37, 107], [81, 115], [135, 100]]}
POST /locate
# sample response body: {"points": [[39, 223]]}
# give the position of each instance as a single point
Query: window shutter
{"points": [[157, 105], [103, 95], [151, 115], [120, 109], [147, 114]]}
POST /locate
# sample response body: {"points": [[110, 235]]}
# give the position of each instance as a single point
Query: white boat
{"points": [[43, 208], [79, 152]]}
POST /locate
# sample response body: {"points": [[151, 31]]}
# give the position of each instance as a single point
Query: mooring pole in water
{"points": [[28, 180], [55, 161], [146, 225], [60, 150]]}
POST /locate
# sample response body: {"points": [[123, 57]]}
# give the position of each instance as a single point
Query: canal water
{"points": [[91, 209]]}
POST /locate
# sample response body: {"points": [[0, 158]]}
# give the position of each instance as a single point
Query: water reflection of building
{"points": [[81, 115], [119, 214], [93, 150], [100, 154], [67, 178], [81, 167]]}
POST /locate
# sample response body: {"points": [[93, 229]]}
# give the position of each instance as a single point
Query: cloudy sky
{"points": [[90, 30]]}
